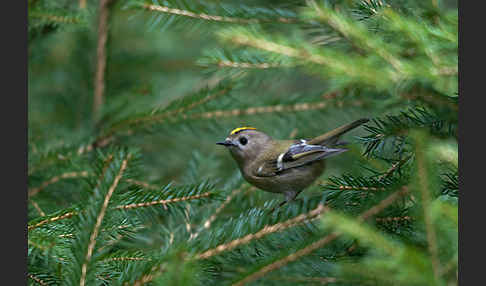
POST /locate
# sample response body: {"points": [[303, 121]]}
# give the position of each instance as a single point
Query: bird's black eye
{"points": [[243, 141]]}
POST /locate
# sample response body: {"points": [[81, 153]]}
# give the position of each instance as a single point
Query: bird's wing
{"points": [[297, 155]]}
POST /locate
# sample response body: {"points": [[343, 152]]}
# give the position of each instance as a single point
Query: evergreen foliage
{"points": [[133, 190]]}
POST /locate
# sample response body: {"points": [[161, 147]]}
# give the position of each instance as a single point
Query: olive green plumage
{"points": [[283, 166]]}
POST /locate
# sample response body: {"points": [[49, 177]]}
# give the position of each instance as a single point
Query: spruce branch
{"points": [[203, 16], [37, 207], [142, 184], [165, 202], [36, 279], [348, 182], [99, 220], [175, 109], [53, 18], [397, 127], [268, 229], [99, 82], [247, 65], [394, 219], [355, 68], [319, 243], [52, 219], [358, 34], [225, 13], [212, 218], [279, 108], [55, 179], [425, 187]]}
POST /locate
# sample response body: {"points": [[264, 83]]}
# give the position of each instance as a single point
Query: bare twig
{"points": [[99, 83]]}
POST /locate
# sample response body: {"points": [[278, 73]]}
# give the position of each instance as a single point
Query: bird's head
{"points": [[246, 143]]}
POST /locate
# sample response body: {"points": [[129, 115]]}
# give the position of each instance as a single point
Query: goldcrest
{"points": [[283, 166]]}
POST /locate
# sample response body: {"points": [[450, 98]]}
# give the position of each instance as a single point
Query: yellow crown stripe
{"points": [[236, 130]]}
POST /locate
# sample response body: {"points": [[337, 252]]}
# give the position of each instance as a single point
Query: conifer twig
{"points": [[52, 219], [397, 218], [36, 279], [143, 184], [36, 206], [164, 202], [210, 220], [321, 242], [319, 280], [171, 113], [99, 220], [207, 17], [69, 175], [126, 259], [149, 276], [394, 167], [55, 18], [342, 187], [249, 65], [305, 106], [99, 84], [424, 189], [268, 229], [280, 49]]}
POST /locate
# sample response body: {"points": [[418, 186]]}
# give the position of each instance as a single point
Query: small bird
{"points": [[283, 166]]}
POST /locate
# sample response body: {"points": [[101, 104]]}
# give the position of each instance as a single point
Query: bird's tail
{"points": [[331, 138]]}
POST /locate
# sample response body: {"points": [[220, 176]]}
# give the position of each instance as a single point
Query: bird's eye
{"points": [[243, 141]]}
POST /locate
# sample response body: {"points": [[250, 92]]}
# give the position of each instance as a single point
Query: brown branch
{"points": [[321, 242], [292, 257], [143, 184], [207, 17], [150, 276], [36, 206], [388, 219], [281, 49], [394, 167], [52, 219], [260, 110], [126, 259], [250, 65], [164, 202], [210, 220], [99, 83], [171, 113], [268, 229], [69, 175], [99, 219], [319, 280], [361, 188], [55, 18], [426, 200], [31, 276]]}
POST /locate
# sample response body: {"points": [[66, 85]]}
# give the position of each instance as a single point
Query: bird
{"points": [[284, 166]]}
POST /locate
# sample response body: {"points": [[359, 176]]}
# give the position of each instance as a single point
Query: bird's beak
{"points": [[226, 143]]}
